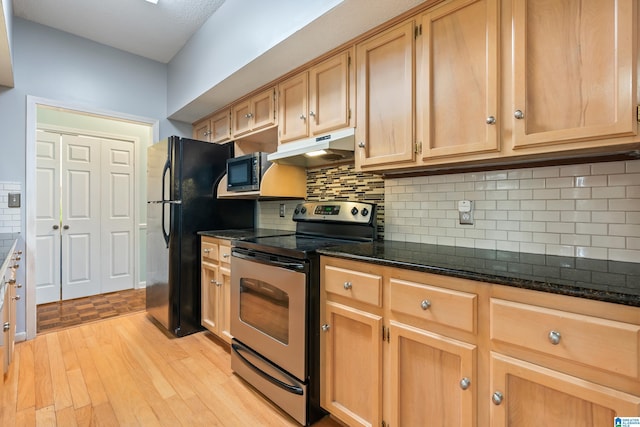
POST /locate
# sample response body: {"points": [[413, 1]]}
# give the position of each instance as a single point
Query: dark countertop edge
{"points": [[575, 291]]}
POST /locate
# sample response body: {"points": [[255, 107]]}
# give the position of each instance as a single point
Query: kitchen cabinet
{"points": [[550, 365], [255, 113], [460, 352], [380, 334], [385, 98], [317, 100], [573, 74], [216, 286], [217, 128]]}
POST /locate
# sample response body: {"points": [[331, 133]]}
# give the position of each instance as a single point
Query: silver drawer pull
{"points": [[225, 255], [465, 383], [497, 397], [206, 251], [347, 286], [554, 337], [325, 327], [425, 304]]}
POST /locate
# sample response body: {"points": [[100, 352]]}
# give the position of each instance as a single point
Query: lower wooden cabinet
{"points": [[216, 287], [406, 348], [529, 395]]}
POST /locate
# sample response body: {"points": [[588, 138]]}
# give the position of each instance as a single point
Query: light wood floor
{"points": [[126, 372]]}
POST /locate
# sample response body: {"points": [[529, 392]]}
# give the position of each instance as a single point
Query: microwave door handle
{"points": [[288, 387]]}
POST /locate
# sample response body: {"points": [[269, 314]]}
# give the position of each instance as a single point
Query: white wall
{"points": [[587, 210]]}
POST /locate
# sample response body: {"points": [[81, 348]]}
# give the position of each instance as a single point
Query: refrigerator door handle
{"points": [[165, 235]]}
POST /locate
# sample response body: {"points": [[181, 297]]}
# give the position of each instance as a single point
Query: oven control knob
{"points": [[365, 211], [296, 211], [354, 211], [303, 210]]}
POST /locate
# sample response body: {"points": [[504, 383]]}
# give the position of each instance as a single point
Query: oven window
{"points": [[265, 307]]}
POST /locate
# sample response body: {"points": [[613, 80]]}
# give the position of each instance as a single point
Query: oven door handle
{"points": [[283, 264], [290, 388]]}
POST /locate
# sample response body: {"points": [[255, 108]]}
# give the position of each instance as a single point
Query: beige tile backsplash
{"points": [[10, 219], [586, 210]]}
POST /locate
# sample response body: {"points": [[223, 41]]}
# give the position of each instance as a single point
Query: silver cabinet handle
{"points": [[206, 251], [465, 383], [554, 337], [312, 113], [215, 282], [361, 144], [225, 255], [6, 326], [518, 114], [303, 117], [347, 286], [325, 327], [491, 120], [497, 398], [16, 298], [425, 304]]}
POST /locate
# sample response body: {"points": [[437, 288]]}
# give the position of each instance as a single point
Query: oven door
{"points": [[269, 307]]}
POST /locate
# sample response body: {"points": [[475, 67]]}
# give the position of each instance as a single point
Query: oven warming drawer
{"points": [[281, 388]]}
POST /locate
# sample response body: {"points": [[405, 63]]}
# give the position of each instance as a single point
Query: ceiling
{"points": [[156, 32]]}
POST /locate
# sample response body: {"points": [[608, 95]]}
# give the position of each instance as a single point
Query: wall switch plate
{"points": [[282, 208], [14, 200]]}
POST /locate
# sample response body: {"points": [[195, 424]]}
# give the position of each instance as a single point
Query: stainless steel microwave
{"points": [[244, 173]]}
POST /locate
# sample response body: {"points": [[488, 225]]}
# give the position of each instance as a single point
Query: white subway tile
{"points": [[560, 227], [496, 235], [485, 244], [609, 192], [520, 236], [533, 248], [520, 174], [497, 195], [608, 242], [632, 217], [447, 241], [508, 246], [546, 172], [496, 175], [632, 166], [465, 243], [633, 191], [633, 243], [546, 216], [625, 179], [508, 185], [533, 205], [508, 225], [464, 186], [575, 193], [591, 181], [520, 194], [607, 168], [546, 238], [497, 215], [592, 205], [624, 204], [520, 216], [488, 224], [608, 217], [575, 170], [591, 228], [486, 185], [546, 194], [474, 176], [560, 250], [532, 183], [533, 226], [561, 205], [575, 239], [624, 255], [590, 252], [629, 230], [559, 182]]}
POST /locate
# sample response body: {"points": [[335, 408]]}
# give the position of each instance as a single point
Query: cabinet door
{"points": [[352, 347], [574, 70], [241, 113], [263, 110], [293, 102], [202, 130], [329, 101], [221, 126], [385, 98], [224, 307], [432, 378], [457, 93], [210, 298], [533, 396]]}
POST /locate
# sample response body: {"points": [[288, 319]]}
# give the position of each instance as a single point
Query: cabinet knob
{"points": [[518, 114], [361, 144], [491, 120], [303, 117], [497, 398], [347, 286], [325, 327], [225, 255], [425, 304], [207, 133], [16, 298], [206, 251], [465, 383], [6, 326], [554, 337], [19, 285]]}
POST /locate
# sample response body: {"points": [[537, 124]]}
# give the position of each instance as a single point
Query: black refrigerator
{"points": [[182, 180]]}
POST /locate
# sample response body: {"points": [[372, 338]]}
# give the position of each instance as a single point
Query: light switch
{"points": [[14, 200]]}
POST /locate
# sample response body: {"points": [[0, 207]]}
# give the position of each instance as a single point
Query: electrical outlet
{"points": [[466, 218], [465, 212], [14, 200], [282, 208]]}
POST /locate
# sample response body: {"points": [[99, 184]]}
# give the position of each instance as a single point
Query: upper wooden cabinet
{"points": [[318, 100], [385, 94], [255, 113], [217, 128], [457, 79], [574, 71]]}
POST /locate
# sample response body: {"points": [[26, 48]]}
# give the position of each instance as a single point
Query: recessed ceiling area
{"points": [[154, 31]]}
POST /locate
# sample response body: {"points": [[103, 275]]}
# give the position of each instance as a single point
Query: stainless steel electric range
{"points": [[275, 303]]}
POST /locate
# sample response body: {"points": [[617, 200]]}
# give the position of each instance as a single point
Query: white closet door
{"points": [[80, 216], [117, 193], [47, 217]]}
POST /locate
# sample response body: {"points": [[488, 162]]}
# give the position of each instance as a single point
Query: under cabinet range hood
{"points": [[321, 150]]}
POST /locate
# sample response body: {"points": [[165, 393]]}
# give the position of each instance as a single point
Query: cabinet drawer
{"points": [[443, 306], [224, 252], [353, 284], [601, 343], [209, 251]]}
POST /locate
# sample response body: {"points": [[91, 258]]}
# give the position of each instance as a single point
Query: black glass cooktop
{"points": [[295, 246]]}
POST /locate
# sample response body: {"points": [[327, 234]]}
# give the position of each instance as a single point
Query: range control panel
{"points": [[338, 211]]}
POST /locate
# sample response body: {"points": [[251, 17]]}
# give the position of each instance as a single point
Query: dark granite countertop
{"points": [[7, 244], [247, 233], [610, 281]]}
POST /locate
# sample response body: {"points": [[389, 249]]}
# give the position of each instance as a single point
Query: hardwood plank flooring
{"points": [[125, 371]]}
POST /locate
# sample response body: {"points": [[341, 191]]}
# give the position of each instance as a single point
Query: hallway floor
{"points": [[62, 314]]}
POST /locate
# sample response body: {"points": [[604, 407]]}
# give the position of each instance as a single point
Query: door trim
{"points": [[30, 185]]}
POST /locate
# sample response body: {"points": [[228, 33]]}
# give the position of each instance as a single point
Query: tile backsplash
{"points": [[585, 210], [10, 218]]}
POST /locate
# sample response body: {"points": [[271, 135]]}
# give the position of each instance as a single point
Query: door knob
{"points": [[55, 227], [66, 227]]}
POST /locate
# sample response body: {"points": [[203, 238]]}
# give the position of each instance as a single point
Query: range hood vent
{"points": [[322, 150]]}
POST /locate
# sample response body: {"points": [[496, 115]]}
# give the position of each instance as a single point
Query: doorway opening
{"points": [[117, 140]]}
